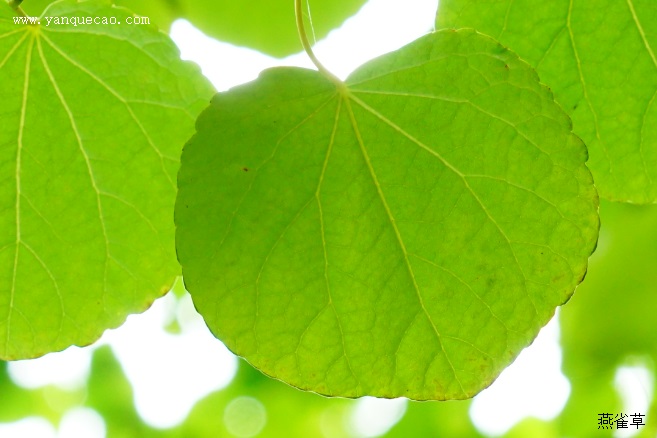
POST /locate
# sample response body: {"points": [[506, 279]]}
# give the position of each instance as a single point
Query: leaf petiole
{"points": [[307, 47], [16, 6]]}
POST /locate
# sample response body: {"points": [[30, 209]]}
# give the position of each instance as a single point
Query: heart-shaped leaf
{"points": [[406, 233]]}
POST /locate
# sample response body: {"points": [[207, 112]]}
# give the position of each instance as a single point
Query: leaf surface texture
{"points": [[92, 122], [599, 58], [404, 234]]}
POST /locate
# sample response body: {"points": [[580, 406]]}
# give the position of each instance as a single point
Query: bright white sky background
{"points": [[532, 386]]}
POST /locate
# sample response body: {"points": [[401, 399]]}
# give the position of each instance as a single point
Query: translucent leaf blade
{"points": [[599, 59], [89, 158], [405, 234]]}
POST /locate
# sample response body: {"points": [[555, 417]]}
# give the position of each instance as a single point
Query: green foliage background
{"points": [[607, 323], [599, 332]]}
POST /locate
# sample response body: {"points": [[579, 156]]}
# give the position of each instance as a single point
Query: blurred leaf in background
{"points": [[253, 405], [111, 395], [610, 320], [264, 25]]}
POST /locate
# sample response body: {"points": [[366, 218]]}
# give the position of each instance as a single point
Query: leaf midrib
{"points": [[19, 148], [347, 98], [456, 171]]}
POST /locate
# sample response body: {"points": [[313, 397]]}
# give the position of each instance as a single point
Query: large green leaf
{"points": [[93, 120], [404, 234], [598, 56], [265, 25]]}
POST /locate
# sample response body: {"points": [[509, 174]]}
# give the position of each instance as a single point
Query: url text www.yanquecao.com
{"points": [[79, 21]]}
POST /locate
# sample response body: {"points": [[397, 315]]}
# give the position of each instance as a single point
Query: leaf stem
{"points": [[16, 6], [307, 47]]}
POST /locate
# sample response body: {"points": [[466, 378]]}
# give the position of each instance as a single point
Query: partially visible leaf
{"points": [[312, 415], [111, 395], [449, 419], [624, 264], [405, 234], [19, 402], [35, 7], [600, 59], [265, 25], [161, 13], [611, 318], [93, 119], [535, 428]]}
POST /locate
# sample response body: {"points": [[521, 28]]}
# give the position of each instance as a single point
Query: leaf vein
{"points": [[506, 20], [400, 241], [351, 85], [461, 101], [267, 160], [19, 148], [458, 173], [321, 222], [642, 136], [596, 124], [57, 290], [13, 50], [125, 103], [266, 260], [463, 282], [87, 160]]}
